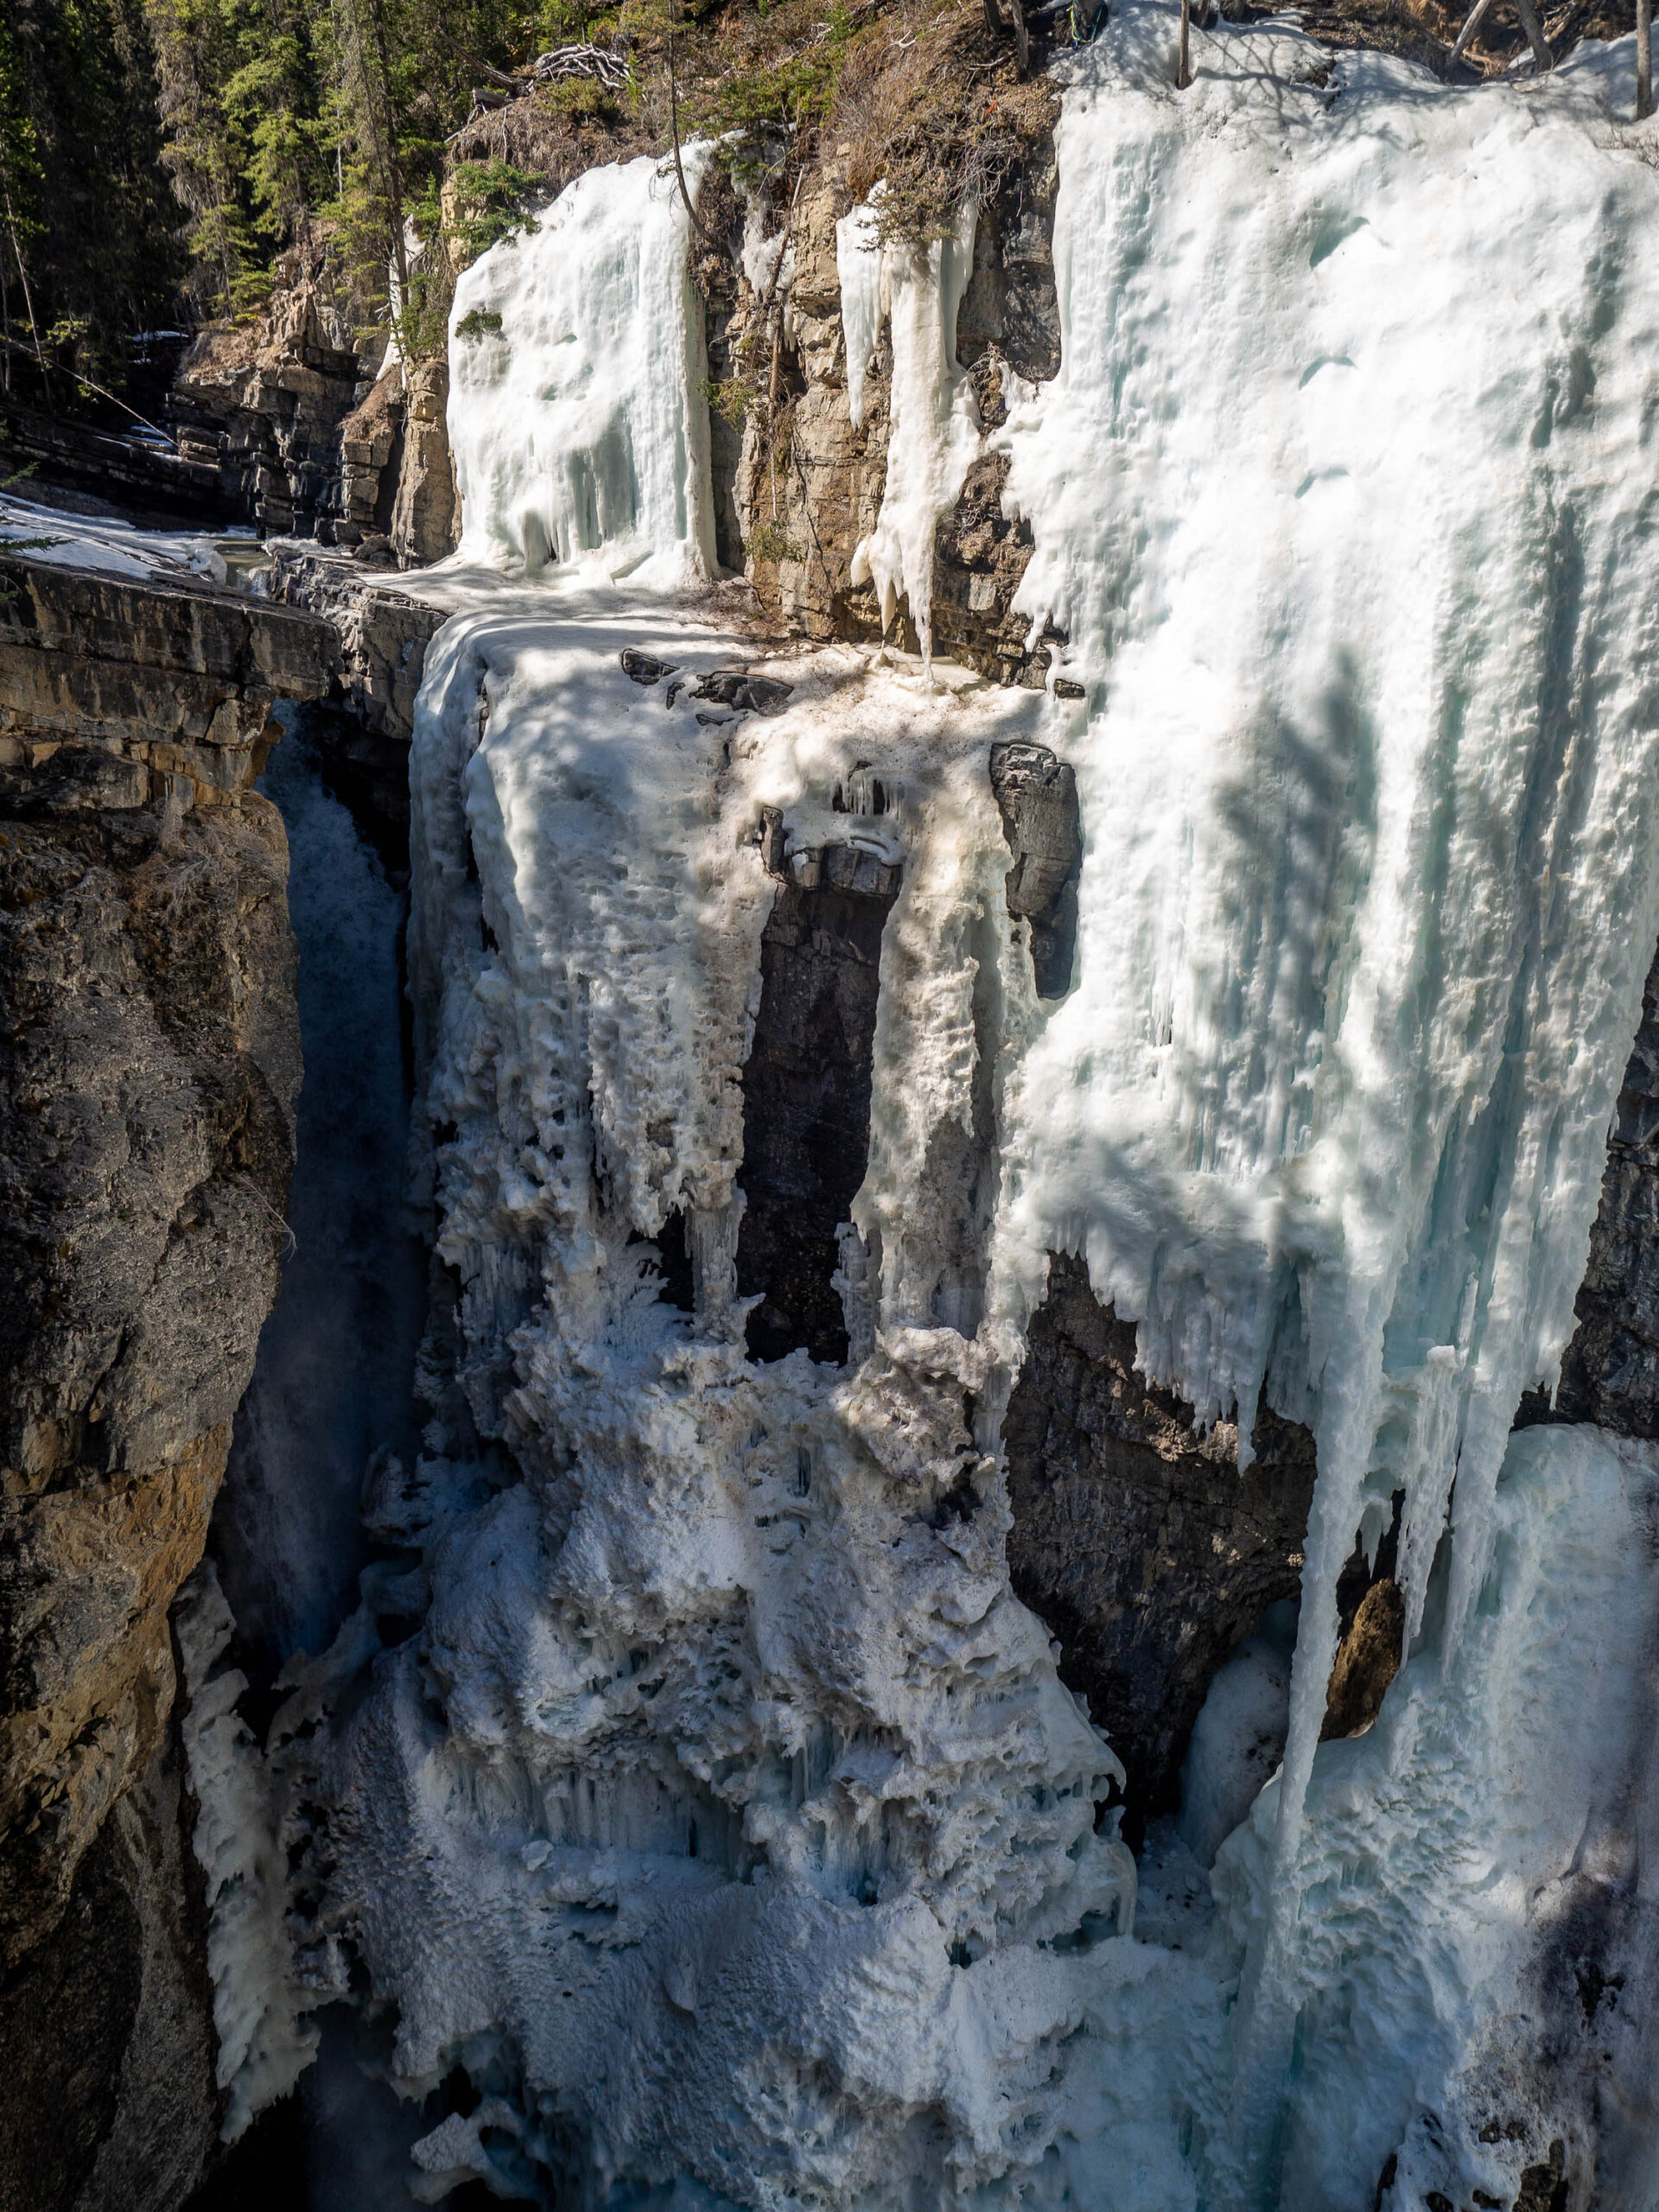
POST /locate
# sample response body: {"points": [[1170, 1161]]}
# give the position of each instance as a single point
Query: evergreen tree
{"points": [[89, 222]]}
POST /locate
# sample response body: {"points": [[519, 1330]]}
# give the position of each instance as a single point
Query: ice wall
{"points": [[756, 1804], [724, 1818], [576, 412], [1341, 496], [1468, 1861]]}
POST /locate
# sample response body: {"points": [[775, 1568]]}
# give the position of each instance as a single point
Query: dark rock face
{"points": [[150, 480], [806, 1097], [149, 1064], [1138, 1541], [1610, 1373], [1010, 305], [106, 2037], [1009, 319], [1037, 797]]}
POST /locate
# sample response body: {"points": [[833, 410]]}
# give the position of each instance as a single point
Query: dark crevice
{"points": [[1610, 1371], [806, 1100], [672, 1263]]}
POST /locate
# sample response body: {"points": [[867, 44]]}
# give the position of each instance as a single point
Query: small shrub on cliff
{"points": [[485, 205]]}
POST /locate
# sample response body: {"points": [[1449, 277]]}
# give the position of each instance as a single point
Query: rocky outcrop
{"points": [[806, 489], [107, 2037], [1009, 325], [397, 482], [260, 406], [1134, 1537], [425, 511], [1610, 1372], [382, 639], [149, 1064]]}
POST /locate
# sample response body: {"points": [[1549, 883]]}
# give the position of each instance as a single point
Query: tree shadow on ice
{"points": [[1296, 831]]}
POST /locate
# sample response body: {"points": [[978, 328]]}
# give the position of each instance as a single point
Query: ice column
{"points": [[933, 431], [576, 412]]}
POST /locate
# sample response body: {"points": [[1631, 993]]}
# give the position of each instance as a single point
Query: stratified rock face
{"points": [[260, 409], [383, 641], [176, 685], [1136, 1539], [1609, 1373], [398, 481], [149, 1064], [425, 517]]}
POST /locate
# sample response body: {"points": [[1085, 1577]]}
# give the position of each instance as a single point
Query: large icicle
{"points": [[576, 415], [1342, 497], [933, 428]]}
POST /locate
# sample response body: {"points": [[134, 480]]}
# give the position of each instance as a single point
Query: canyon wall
{"points": [[151, 1059]]}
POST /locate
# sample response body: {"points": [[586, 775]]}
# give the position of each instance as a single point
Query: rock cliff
{"points": [[258, 407], [149, 1064]]}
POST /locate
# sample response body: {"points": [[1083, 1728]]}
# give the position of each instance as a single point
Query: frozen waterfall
{"points": [[724, 1820]]}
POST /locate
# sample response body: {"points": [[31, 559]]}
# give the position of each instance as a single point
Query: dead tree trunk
{"points": [[1477, 17], [1184, 65], [1643, 59], [1021, 41]]}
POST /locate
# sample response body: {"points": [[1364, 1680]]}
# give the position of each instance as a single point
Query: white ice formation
{"points": [[577, 418], [726, 1819], [263, 2039], [933, 427]]}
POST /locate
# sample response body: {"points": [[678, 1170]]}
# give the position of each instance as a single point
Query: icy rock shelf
{"points": [[726, 1819]]}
